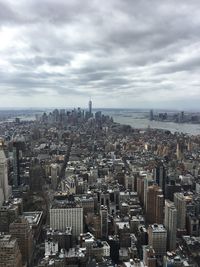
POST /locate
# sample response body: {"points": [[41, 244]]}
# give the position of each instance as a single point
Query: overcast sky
{"points": [[121, 53]]}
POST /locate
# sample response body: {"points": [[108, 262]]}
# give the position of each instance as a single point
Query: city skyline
{"points": [[80, 188], [122, 54]]}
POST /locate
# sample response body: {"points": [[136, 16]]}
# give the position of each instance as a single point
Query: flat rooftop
{"points": [[158, 228], [33, 217]]}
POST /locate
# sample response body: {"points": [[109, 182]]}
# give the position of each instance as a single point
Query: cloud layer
{"points": [[121, 53]]}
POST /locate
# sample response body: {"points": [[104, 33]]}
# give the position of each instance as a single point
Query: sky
{"points": [[119, 53]]}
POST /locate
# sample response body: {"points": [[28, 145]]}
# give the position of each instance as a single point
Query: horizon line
{"points": [[103, 108]]}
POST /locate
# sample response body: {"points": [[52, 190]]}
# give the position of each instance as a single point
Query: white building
{"points": [[170, 223], [51, 248], [181, 201], [4, 175], [60, 218], [106, 249], [54, 176]]}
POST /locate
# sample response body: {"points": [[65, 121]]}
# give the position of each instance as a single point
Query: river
{"points": [[140, 120]]}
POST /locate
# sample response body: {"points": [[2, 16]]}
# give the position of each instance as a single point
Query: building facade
{"points": [[60, 218], [170, 223], [10, 255], [158, 239]]}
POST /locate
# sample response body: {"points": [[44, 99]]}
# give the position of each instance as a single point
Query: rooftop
{"points": [[158, 228], [33, 217]]}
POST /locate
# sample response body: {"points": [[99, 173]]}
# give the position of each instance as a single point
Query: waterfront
{"points": [[140, 120], [135, 118]]}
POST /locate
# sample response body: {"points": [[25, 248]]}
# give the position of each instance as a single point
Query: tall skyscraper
{"points": [[181, 116], [54, 176], [148, 181], [170, 223], [90, 107], [104, 222], [179, 150], [159, 208], [18, 142], [1, 197], [36, 176], [151, 115], [160, 176], [154, 204], [140, 189], [16, 170], [4, 175], [180, 201]]}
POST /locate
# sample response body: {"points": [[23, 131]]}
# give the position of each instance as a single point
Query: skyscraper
{"points": [[104, 222], [151, 115], [20, 229], [179, 150], [160, 176], [90, 107], [18, 147], [170, 223], [1, 197], [16, 171], [4, 175], [36, 176], [158, 238], [154, 204], [54, 176], [180, 201], [148, 181]]}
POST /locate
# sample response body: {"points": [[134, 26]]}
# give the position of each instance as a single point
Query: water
{"points": [[140, 120]]}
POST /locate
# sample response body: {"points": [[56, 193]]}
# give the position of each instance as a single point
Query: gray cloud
{"points": [[142, 51]]}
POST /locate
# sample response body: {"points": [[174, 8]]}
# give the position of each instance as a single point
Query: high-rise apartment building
{"points": [[9, 213], [10, 255], [179, 150], [20, 229], [180, 201], [18, 144], [36, 176], [148, 181], [154, 205], [104, 222], [170, 223], [140, 188], [158, 239], [16, 169]]}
